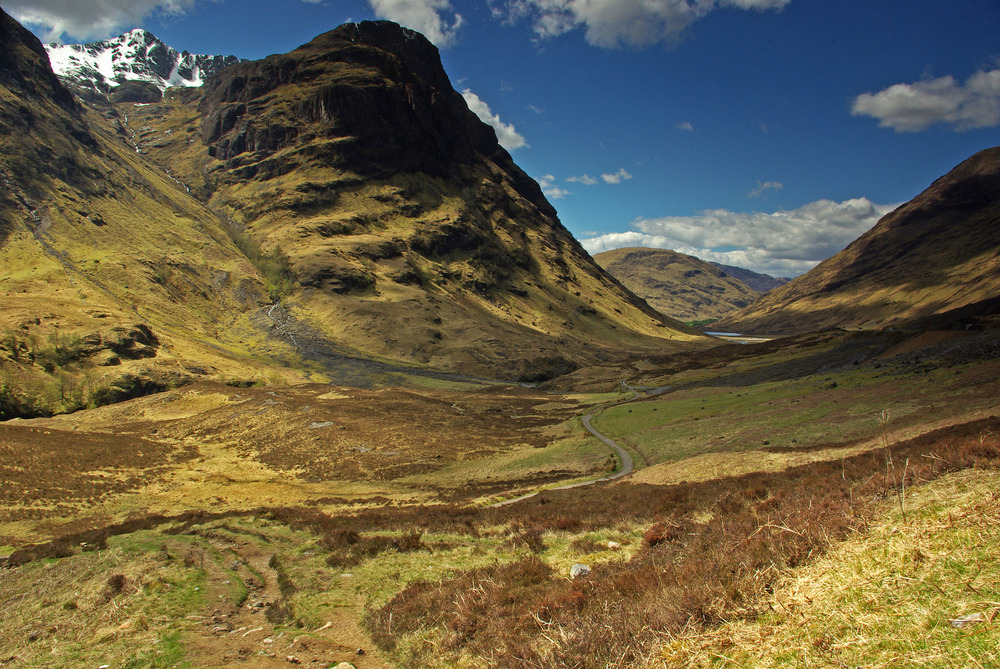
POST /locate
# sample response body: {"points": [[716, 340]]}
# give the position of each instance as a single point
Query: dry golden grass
{"points": [[888, 598]]}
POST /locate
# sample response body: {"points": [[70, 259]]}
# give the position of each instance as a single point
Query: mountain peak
{"points": [[137, 55]]}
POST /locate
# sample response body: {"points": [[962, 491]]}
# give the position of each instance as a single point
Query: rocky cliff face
{"points": [[377, 89], [936, 253], [136, 56]]}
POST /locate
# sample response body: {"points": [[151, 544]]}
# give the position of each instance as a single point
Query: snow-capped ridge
{"points": [[136, 55]]}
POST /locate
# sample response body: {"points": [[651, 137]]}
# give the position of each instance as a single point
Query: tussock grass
{"points": [[883, 599], [123, 606], [714, 552]]}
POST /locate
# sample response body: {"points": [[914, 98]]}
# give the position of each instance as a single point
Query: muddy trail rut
{"points": [[252, 628]]}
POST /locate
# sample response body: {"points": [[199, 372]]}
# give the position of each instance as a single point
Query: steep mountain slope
{"points": [[678, 285], [136, 56], [411, 232], [938, 252], [113, 280]]}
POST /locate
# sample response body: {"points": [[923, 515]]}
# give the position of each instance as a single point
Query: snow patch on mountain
{"points": [[134, 56]]}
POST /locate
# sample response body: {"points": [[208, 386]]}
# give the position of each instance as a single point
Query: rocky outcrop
{"points": [[375, 89], [142, 92]]}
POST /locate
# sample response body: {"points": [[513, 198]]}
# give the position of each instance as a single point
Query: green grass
{"points": [[65, 613], [825, 409]]}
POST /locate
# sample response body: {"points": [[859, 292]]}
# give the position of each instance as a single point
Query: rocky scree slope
{"points": [[937, 253], [410, 231], [678, 285]]}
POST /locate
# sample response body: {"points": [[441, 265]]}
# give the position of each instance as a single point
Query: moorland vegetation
{"points": [[250, 346]]}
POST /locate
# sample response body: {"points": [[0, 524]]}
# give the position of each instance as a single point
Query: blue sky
{"points": [[761, 133]]}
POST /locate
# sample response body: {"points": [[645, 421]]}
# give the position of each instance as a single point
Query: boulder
{"points": [[579, 571]]}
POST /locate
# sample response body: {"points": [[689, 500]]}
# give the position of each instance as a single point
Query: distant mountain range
{"points": [[938, 253], [136, 56], [682, 286]]}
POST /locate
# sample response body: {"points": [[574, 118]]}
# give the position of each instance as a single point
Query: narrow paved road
{"points": [[626, 457], [627, 464]]}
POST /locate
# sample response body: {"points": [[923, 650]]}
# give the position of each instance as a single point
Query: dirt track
{"points": [[244, 635]]}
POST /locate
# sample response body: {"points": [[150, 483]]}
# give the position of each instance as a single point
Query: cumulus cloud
{"points": [[429, 17], [90, 19], [764, 186], [585, 179], [617, 177], [783, 243], [917, 106], [613, 23], [508, 137], [550, 189], [685, 125]]}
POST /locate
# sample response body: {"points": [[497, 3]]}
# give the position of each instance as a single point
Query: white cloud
{"points": [[90, 19], [508, 137], [550, 189], [585, 179], [612, 23], [764, 186], [617, 177], [783, 243], [685, 125], [917, 106], [425, 16]]}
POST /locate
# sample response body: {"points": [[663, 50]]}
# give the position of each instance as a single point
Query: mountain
{"points": [[756, 281], [135, 57], [939, 252], [326, 214], [678, 285], [409, 230], [114, 281]]}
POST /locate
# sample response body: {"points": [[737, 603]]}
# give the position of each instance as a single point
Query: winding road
{"points": [[627, 463]]}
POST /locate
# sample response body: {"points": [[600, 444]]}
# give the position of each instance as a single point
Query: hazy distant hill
{"points": [[936, 253], [678, 285], [761, 283]]}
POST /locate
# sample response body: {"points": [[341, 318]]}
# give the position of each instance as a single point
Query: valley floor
{"points": [[814, 501]]}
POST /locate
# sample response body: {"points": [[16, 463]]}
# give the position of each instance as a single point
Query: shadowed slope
{"points": [[938, 252]]}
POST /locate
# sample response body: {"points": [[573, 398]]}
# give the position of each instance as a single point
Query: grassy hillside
{"points": [[416, 239], [115, 281], [936, 253], [678, 285]]}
